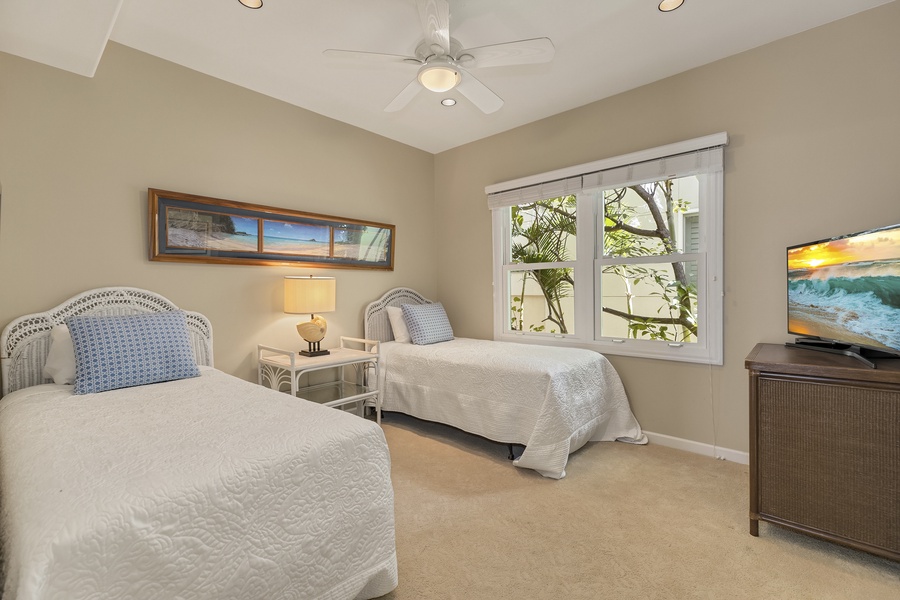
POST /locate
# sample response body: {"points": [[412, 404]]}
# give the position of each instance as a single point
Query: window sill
{"points": [[692, 353]]}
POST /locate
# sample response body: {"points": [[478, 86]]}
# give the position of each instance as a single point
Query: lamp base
{"points": [[312, 333], [311, 353], [314, 350]]}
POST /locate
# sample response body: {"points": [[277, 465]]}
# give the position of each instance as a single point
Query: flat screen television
{"points": [[844, 294]]}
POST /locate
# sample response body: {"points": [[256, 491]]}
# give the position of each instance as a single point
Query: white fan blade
{"points": [[435, 17], [403, 98], [522, 52], [479, 94], [356, 55]]}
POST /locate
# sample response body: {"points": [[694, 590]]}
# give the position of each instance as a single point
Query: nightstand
{"points": [[281, 370]]}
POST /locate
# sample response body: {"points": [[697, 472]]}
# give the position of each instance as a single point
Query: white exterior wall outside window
{"points": [[622, 255]]}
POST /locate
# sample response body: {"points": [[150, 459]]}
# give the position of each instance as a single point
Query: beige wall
{"points": [[815, 144], [77, 156]]}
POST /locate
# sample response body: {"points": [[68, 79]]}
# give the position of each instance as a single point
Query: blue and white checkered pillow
{"points": [[427, 323], [114, 352]]}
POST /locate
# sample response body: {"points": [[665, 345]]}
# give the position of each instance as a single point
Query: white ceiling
{"points": [[603, 47]]}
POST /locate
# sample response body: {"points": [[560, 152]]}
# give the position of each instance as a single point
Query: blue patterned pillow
{"points": [[427, 323], [113, 352]]}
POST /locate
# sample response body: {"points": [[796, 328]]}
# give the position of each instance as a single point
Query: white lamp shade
{"points": [[309, 295]]}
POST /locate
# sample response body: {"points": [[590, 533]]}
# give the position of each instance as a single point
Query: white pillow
{"points": [[398, 324], [60, 365]]}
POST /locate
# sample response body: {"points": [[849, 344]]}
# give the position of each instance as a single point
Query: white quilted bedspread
{"points": [[551, 399], [205, 488]]}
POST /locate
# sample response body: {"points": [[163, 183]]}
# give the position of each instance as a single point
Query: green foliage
{"points": [[625, 237], [515, 312], [543, 231]]}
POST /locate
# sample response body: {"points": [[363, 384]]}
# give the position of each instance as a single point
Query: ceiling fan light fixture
{"points": [[252, 3], [670, 5], [439, 78]]}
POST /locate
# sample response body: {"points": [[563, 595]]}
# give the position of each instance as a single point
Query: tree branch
{"points": [[551, 208], [630, 229], [656, 320], [662, 230]]}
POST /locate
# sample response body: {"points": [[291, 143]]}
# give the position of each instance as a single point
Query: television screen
{"points": [[847, 289]]}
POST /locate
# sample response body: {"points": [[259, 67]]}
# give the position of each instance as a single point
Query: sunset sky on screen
{"points": [[878, 245]]}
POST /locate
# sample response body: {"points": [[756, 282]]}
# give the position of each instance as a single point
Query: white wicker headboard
{"points": [[376, 324], [25, 342]]}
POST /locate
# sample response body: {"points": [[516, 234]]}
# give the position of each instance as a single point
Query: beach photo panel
{"points": [[296, 238], [363, 242], [194, 229], [190, 228]]}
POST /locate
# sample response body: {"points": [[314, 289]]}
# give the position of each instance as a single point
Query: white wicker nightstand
{"points": [[281, 370]]}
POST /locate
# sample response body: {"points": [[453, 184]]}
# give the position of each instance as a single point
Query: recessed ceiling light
{"points": [[252, 3], [448, 102], [670, 5]]}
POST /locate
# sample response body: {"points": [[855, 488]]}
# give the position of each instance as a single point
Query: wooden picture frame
{"points": [[189, 228]]}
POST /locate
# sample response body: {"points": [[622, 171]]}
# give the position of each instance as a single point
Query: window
{"points": [[541, 274], [622, 255]]}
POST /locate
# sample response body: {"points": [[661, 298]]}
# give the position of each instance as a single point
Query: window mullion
{"points": [[584, 272], [569, 264], [501, 250], [654, 258]]}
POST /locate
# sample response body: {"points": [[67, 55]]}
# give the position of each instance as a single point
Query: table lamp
{"points": [[310, 295]]}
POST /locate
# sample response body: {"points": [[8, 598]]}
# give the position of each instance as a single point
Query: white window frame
{"points": [[710, 294]]}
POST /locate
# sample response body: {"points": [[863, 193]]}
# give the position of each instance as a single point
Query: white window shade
{"points": [[698, 155], [683, 165], [533, 193]]}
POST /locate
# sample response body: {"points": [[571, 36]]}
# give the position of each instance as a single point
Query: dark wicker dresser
{"points": [[825, 446]]}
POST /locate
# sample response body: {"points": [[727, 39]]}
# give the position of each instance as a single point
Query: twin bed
{"points": [[552, 400], [201, 487]]}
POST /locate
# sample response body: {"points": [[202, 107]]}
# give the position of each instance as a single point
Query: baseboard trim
{"points": [[699, 448]]}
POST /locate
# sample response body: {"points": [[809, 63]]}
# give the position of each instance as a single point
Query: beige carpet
{"points": [[626, 522]]}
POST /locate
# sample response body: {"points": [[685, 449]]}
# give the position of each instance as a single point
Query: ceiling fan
{"points": [[444, 64]]}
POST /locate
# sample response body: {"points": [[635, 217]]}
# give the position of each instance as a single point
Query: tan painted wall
{"points": [[77, 156], [815, 145]]}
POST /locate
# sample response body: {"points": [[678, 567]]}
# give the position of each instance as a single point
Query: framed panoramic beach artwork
{"points": [[189, 228]]}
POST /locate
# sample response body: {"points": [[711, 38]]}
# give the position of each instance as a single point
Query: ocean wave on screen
{"points": [[868, 306], [885, 287]]}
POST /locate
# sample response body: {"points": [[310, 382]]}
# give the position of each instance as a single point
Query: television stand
{"points": [[824, 441], [863, 355]]}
